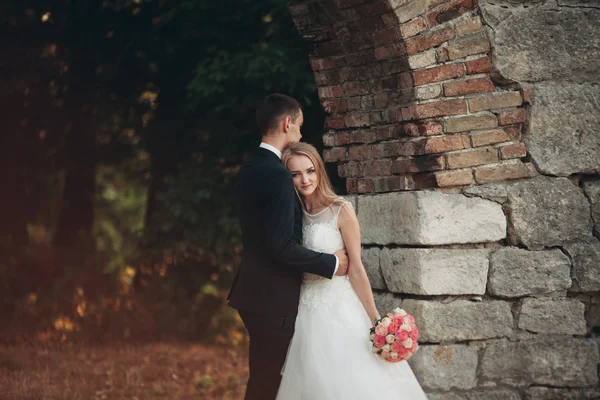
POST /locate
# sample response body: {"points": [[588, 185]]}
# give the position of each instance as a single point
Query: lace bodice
{"points": [[321, 233]]}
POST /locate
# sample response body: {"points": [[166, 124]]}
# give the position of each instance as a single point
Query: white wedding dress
{"points": [[330, 354]]}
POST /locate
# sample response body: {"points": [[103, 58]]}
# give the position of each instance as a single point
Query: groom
{"points": [[266, 288]]}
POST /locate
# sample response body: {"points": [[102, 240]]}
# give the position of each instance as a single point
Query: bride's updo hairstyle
{"points": [[324, 191]]}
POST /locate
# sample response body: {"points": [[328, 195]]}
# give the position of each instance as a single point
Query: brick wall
{"points": [[411, 101]]}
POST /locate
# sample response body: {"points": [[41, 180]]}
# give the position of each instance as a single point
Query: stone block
{"points": [[445, 367], [563, 361], [429, 218], [435, 271], [460, 319], [586, 265], [563, 316], [545, 212], [516, 272]]}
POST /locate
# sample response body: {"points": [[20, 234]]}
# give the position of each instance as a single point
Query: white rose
{"points": [[400, 312], [374, 349], [390, 339], [386, 321], [387, 347], [406, 327], [385, 354], [394, 355], [407, 343]]}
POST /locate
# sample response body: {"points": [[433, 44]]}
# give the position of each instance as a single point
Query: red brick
{"points": [[479, 66], [343, 138], [437, 74], [454, 178], [467, 47], [363, 136], [460, 88], [469, 26], [380, 100], [514, 132], [364, 186], [356, 119], [413, 27], [471, 122], [350, 170], [471, 158], [335, 106], [387, 36], [335, 121], [513, 169], [449, 11], [418, 164], [377, 168], [423, 129], [514, 116], [330, 91], [359, 153], [515, 150], [489, 137], [495, 101], [444, 144], [393, 183], [319, 64], [389, 51], [335, 154], [435, 109], [355, 88], [353, 103], [329, 139], [427, 41], [355, 186]]}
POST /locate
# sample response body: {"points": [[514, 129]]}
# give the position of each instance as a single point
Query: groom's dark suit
{"points": [[267, 287]]}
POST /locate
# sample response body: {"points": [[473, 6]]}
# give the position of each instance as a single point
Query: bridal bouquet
{"points": [[394, 337]]}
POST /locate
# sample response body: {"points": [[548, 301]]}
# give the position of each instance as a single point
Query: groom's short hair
{"points": [[273, 108]]}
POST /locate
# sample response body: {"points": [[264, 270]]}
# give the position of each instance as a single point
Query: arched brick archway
{"points": [[409, 90], [431, 104]]}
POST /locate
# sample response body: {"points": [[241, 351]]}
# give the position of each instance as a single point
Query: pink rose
{"points": [[399, 320], [402, 335], [379, 341], [381, 330], [414, 334], [410, 320], [393, 327], [397, 347]]}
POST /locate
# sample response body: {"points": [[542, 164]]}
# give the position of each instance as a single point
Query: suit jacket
{"points": [[273, 260]]}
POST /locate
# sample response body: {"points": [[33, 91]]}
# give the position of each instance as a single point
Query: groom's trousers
{"points": [[270, 337]]}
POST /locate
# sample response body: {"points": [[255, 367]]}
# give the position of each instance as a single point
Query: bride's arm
{"points": [[348, 224]]}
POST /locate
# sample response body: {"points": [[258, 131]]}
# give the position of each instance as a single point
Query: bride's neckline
{"points": [[317, 213]]}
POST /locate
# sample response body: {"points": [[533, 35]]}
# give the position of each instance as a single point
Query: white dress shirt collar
{"points": [[271, 148]]}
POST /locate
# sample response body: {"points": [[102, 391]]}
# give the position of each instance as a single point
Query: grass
{"points": [[174, 371]]}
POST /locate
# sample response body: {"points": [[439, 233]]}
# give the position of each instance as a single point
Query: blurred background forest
{"points": [[124, 125]]}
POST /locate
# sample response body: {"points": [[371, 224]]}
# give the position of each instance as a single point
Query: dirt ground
{"points": [[174, 371]]}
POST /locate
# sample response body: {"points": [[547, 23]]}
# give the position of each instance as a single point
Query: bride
{"points": [[330, 355]]}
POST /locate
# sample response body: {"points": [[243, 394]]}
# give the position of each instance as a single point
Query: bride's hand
{"points": [[343, 260]]}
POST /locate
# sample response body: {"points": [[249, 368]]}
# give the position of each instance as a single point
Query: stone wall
{"points": [[468, 136]]}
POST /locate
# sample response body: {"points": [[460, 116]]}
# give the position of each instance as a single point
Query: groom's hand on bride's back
{"points": [[343, 258]]}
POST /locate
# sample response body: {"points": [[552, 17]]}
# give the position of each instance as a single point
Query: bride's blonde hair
{"points": [[324, 190]]}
